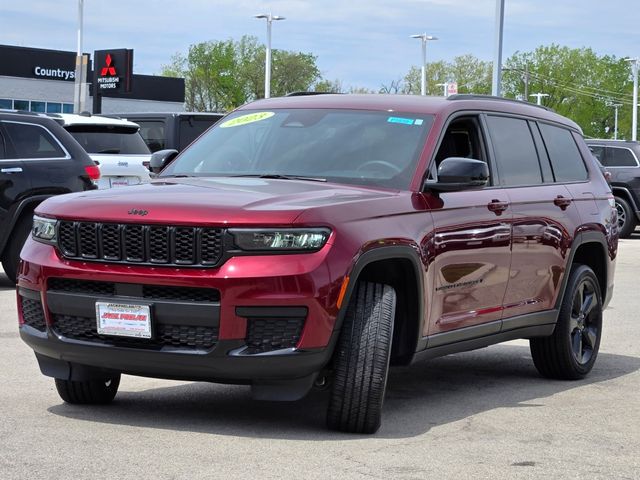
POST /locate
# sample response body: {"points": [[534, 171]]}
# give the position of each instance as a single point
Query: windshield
{"points": [[344, 146], [109, 139]]}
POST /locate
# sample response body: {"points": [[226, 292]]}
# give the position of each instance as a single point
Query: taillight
{"points": [[93, 171]]}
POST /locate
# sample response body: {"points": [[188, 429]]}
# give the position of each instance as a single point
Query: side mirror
{"points": [[161, 159], [459, 173]]}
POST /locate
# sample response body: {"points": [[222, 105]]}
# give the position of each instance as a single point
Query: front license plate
{"points": [[123, 320]]}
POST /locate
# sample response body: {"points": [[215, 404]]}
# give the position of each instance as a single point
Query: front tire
{"points": [[88, 392], [571, 351], [361, 361]]}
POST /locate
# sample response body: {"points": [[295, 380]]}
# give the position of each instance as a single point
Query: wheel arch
{"points": [[590, 248], [400, 267], [28, 204]]}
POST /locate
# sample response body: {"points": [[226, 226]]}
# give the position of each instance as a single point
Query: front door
{"points": [[470, 248], [13, 182]]}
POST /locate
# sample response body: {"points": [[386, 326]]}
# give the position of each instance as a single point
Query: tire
{"points": [[626, 218], [361, 361], [89, 392], [571, 351], [19, 235]]}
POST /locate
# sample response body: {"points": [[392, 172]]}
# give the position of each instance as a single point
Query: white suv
{"points": [[114, 144]]}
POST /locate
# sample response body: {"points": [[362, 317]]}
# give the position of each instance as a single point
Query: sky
{"points": [[362, 43]]}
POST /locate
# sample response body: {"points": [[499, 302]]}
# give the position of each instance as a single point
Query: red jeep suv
{"points": [[315, 240]]}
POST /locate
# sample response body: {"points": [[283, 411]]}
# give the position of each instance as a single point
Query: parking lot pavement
{"points": [[483, 414]]}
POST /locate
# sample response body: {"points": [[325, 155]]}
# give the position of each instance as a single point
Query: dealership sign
{"points": [[54, 73], [113, 70]]}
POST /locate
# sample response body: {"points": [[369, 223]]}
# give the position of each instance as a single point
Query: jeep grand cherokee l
{"points": [[314, 240]]}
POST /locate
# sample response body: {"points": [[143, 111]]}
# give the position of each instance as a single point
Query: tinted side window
{"points": [[152, 132], [598, 152], [566, 160], [620, 157], [192, 128], [32, 141], [516, 154], [2, 154]]}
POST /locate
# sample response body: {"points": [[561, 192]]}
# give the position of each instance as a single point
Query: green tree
{"points": [[580, 84], [221, 75]]}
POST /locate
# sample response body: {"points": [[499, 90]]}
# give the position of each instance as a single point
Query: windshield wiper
{"points": [[110, 150], [278, 176], [179, 175]]}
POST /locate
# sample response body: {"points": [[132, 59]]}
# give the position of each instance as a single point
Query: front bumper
{"points": [[256, 286]]}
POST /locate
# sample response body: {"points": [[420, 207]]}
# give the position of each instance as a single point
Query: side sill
{"points": [[481, 342]]}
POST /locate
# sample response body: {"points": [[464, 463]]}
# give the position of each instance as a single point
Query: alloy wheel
{"points": [[584, 323]]}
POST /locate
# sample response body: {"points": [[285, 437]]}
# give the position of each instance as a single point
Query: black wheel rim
{"points": [[622, 216], [585, 322]]}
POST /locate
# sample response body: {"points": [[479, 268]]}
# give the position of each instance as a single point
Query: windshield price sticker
{"points": [[245, 119], [123, 320]]}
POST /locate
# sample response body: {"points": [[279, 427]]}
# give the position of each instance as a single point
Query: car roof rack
{"points": [[303, 93], [475, 96]]}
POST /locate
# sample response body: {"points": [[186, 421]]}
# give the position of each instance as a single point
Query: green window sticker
{"points": [[248, 118]]}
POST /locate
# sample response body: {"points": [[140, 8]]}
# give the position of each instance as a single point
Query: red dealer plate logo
{"points": [[123, 320]]}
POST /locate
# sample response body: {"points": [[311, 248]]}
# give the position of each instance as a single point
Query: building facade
{"points": [[42, 80]]}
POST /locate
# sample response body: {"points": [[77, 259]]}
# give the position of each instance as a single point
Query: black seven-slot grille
{"points": [[140, 244]]}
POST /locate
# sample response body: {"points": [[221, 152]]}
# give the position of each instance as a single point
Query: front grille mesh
{"points": [[184, 337], [140, 244], [268, 334], [148, 292], [33, 314]]}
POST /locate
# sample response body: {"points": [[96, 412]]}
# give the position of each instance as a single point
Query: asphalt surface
{"points": [[482, 414]]}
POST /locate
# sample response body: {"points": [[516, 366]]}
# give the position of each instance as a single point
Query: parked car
{"points": [[316, 240], [38, 159], [114, 144], [171, 130], [620, 159]]}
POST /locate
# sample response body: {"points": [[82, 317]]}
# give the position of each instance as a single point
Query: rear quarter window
{"points": [[32, 141], [565, 157]]}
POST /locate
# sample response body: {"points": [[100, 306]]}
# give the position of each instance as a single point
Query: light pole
{"points": [[497, 58], [616, 106], [79, 99], [267, 68], [424, 38], [539, 97], [634, 116]]}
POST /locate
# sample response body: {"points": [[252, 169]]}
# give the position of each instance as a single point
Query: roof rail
{"points": [[474, 96], [20, 112], [302, 94]]}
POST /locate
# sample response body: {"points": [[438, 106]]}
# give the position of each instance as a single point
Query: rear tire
{"points": [[571, 351], [88, 392], [19, 235], [626, 218], [361, 362]]}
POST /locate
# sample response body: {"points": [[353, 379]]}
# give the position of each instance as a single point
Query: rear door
{"points": [[13, 182], [545, 217], [45, 162]]}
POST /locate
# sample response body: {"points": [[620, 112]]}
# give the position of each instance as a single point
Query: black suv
{"points": [[171, 130], [620, 158], [38, 159]]}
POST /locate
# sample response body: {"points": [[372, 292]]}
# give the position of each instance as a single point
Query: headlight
{"points": [[284, 239], [44, 229]]}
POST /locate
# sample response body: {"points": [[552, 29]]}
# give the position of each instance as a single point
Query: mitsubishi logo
{"points": [[108, 68]]}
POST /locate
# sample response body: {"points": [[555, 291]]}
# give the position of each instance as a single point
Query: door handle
{"points": [[562, 202], [11, 170], [497, 207]]}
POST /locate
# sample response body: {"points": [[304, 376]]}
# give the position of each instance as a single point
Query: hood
{"points": [[216, 201]]}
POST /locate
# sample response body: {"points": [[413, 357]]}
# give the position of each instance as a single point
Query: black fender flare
{"points": [[16, 212], [626, 193], [583, 238], [395, 252]]}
